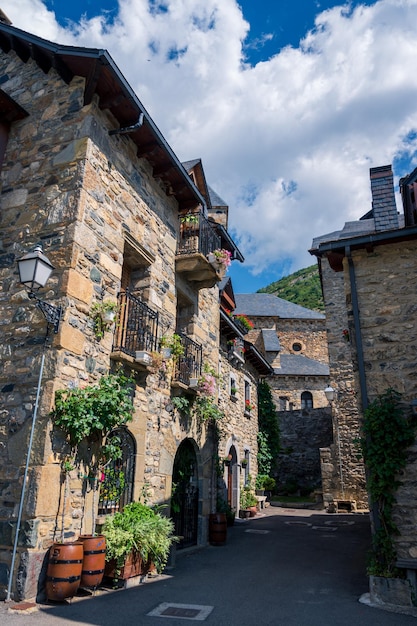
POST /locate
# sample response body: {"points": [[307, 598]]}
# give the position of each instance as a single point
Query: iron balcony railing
{"points": [[189, 364], [137, 326], [197, 234]]}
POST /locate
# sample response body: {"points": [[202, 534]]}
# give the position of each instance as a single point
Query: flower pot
{"points": [[93, 561], [63, 574], [244, 513], [132, 566], [252, 511], [217, 529]]}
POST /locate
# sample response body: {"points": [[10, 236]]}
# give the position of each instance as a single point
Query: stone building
{"points": [[86, 172], [369, 283], [293, 340]]}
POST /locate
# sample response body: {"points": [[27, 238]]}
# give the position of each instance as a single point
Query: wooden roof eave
{"points": [[102, 77]]}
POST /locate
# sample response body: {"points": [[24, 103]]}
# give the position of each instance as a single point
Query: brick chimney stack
{"points": [[383, 198]]}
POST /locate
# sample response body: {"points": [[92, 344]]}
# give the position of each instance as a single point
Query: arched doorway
{"points": [[232, 481], [184, 499]]}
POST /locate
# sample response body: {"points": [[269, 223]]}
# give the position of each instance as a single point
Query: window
{"points": [[116, 489], [297, 347], [283, 403], [306, 400], [233, 387]]}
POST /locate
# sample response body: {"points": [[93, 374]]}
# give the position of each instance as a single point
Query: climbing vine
{"points": [[268, 435], [386, 434]]}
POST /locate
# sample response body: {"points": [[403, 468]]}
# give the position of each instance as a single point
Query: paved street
{"points": [[285, 568]]}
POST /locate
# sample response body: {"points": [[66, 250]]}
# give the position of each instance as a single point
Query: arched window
{"points": [[116, 489], [306, 400]]}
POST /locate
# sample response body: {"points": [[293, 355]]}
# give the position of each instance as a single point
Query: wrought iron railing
{"points": [[136, 327], [189, 364], [197, 234]]}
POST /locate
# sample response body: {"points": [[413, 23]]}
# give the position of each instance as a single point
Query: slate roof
{"points": [[364, 226], [268, 305], [215, 198], [298, 365], [271, 341]]}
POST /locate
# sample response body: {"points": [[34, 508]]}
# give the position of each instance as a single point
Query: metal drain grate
{"points": [[195, 612]]}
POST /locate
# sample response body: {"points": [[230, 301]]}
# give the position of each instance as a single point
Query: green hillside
{"points": [[302, 287]]}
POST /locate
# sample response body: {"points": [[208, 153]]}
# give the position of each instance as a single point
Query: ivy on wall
{"points": [[268, 434], [387, 432]]}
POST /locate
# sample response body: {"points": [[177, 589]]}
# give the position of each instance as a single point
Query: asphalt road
{"points": [[284, 568]]}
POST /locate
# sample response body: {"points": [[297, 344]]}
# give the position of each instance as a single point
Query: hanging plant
{"points": [[103, 315]]}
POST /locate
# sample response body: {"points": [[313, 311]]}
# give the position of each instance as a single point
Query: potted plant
{"points": [[244, 322], [249, 406], [220, 258], [172, 346], [137, 538], [103, 315], [244, 462]]}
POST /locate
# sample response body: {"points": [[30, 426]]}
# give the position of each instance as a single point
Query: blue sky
{"points": [[287, 102]]}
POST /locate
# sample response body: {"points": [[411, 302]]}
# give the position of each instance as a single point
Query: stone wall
{"points": [[82, 193], [386, 285], [343, 472], [302, 434]]}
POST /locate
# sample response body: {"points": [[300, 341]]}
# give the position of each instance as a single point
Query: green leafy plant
{"points": [[268, 434], [174, 343], [142, 529], [190, 219], [244, 321], [386, 434], [94, 410], [206, 409], [102, 314]]}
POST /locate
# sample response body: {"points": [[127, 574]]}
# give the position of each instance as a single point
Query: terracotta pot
{"points": [[217, 529], [93, 561], [133, 566], [252, 511], [63, 574]]}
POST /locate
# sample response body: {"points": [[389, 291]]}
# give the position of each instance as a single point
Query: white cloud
{"points": [[287, 143]]}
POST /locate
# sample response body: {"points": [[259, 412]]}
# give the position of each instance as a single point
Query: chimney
{"points": [[383, 199]]}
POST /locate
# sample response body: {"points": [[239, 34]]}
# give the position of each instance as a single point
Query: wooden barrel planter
{"points": [[63, 574], [93, 561], [217, 529]]}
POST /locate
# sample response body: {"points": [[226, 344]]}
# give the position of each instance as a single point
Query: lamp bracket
{"points": [[51, 313]]}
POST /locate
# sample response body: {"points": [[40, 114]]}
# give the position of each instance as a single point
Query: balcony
{"points": [[198, 237], [136, 331], [236, 352], [188, 365]]}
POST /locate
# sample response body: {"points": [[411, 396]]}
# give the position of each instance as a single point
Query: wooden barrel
{"points": [[93, 561], [63, 574], [217, 529]]}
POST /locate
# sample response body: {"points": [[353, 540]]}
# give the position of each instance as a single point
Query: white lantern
{"points": [[34, 269]]}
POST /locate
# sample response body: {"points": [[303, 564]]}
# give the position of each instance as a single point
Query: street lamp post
{"points": [[34, 271]]}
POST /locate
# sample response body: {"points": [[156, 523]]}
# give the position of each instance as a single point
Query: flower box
{"points": [[143, 357], [133, 566]]}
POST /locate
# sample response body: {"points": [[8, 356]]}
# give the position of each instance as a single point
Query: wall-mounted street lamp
{"points": [[330, 393], [34, 271]]}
